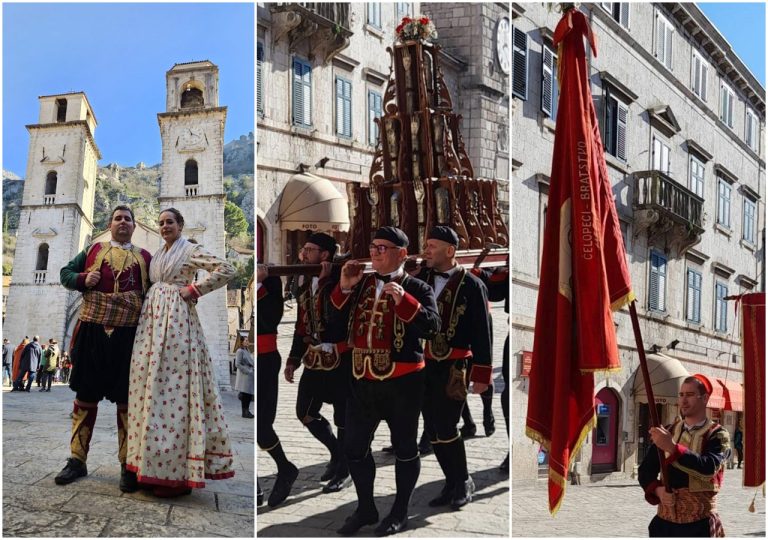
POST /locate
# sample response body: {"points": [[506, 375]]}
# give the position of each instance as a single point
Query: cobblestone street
{"points": [[36, 433], [310, 513], [617, 508]]}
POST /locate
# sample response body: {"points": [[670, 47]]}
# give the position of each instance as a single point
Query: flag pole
{"points": [[647, 383]]}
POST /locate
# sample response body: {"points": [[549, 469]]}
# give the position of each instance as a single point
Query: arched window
{"points": [[61, 110], [42, 258], [192, 97], [50, 183], [190, 172]]}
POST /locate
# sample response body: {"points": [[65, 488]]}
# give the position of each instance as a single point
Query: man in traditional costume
{"points": [[695, 451], [320, 343], [390, 313], [269, 312], [497, 282], [465, 334], [113, 277]]}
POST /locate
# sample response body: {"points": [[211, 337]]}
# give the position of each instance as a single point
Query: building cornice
{"points": [[83, 123]]}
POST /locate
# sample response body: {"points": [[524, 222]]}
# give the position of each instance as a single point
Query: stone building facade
{"points": [[322, 71], [56, 216], [682, 120], [192, 181]]}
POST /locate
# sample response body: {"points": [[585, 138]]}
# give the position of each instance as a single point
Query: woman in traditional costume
{"points": [[177, 436]]}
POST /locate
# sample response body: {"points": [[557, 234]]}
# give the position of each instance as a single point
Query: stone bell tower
{"points": [[56, 217], [192, 181]]}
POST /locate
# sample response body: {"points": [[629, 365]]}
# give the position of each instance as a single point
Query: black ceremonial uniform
{"points": [[695, 473], [269, 312], [388, 383], [497, 282], [320, 344], [465, 334]]}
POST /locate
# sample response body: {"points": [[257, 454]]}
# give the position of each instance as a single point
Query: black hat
{"points": [[446, 234], [393, 234], [324, 241]]}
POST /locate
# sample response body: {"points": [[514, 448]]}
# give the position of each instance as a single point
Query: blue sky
{"points": [[743, 26], [118, 55]]}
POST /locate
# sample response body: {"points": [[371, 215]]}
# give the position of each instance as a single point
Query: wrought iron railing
{"points": [[657, 190]]}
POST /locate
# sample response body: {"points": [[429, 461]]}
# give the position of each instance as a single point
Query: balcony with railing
{"points": [[49, 199], [191, 190], [40, 277], [669, 213], [325, 24]]}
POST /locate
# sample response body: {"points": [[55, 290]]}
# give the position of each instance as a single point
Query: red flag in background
{"points": [[584, 270], [753, 347]]}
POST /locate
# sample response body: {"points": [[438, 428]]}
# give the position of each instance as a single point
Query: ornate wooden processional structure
{"points": [[421, 175]]}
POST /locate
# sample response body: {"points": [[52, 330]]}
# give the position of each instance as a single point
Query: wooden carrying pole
{"points": [[648, 387]]}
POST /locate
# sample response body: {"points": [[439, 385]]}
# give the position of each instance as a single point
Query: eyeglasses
{"points": [[380, 248]]}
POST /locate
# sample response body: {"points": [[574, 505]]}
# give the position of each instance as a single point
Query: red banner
{"points": [[753, 347], [584, 270]]}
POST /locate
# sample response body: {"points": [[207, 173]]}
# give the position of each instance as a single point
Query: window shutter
{"points": [[298, 94], [347, 108], [339, 107], [697, 298], [610, 124], [668, 45], [690, 298], [653, 287], [307, 98], [621, 132], [703, 94], [519, 63], [660, 40], [624, 14], [547, 64], [259, 81], [662, 284]]}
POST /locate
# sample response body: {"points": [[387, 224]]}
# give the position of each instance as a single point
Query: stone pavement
{"points": [[36, 433], [310, 513], [617, 508]]}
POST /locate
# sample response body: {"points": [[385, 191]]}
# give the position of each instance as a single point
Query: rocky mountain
{"points": [[138, 186]]}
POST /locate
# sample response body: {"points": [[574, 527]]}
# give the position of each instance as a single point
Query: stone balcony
{"points": [[325, 24], [670, 214]]}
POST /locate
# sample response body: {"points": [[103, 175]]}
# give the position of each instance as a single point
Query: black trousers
{"points": [[317, 387], [267, 372], [659, 528], [396, 401], [102, 363], [441, 413], [505, 376]]}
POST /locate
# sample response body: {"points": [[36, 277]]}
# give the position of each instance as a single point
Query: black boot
{"points": [[446, 494], [259, 494], [321, 430], [489, 422], [363, 473], [425, 446], [286, 476], [244, 409], [469, 429]]}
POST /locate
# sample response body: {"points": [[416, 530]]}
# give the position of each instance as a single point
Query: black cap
{"points": [[446, 234], [393, 234], [324, 241]]}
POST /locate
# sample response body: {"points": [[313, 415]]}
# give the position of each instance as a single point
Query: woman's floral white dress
{"points": [[177, 435]]}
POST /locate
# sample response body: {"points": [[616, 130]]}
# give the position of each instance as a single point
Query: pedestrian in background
{"points": [[7, 360], [30, 362], [49, 365], [17, 387], [66, 366], [39, 372], [738, 444], [244, 380]]}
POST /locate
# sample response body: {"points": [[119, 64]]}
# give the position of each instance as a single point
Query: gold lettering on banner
{"points": [[586, 218]]}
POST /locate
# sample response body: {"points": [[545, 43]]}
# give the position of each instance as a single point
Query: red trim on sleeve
{"points": [[262, 293], [679, 451], [650, 492], [481, 374], [408, 307], [338, 298], [477, 271], [194, 291]]}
